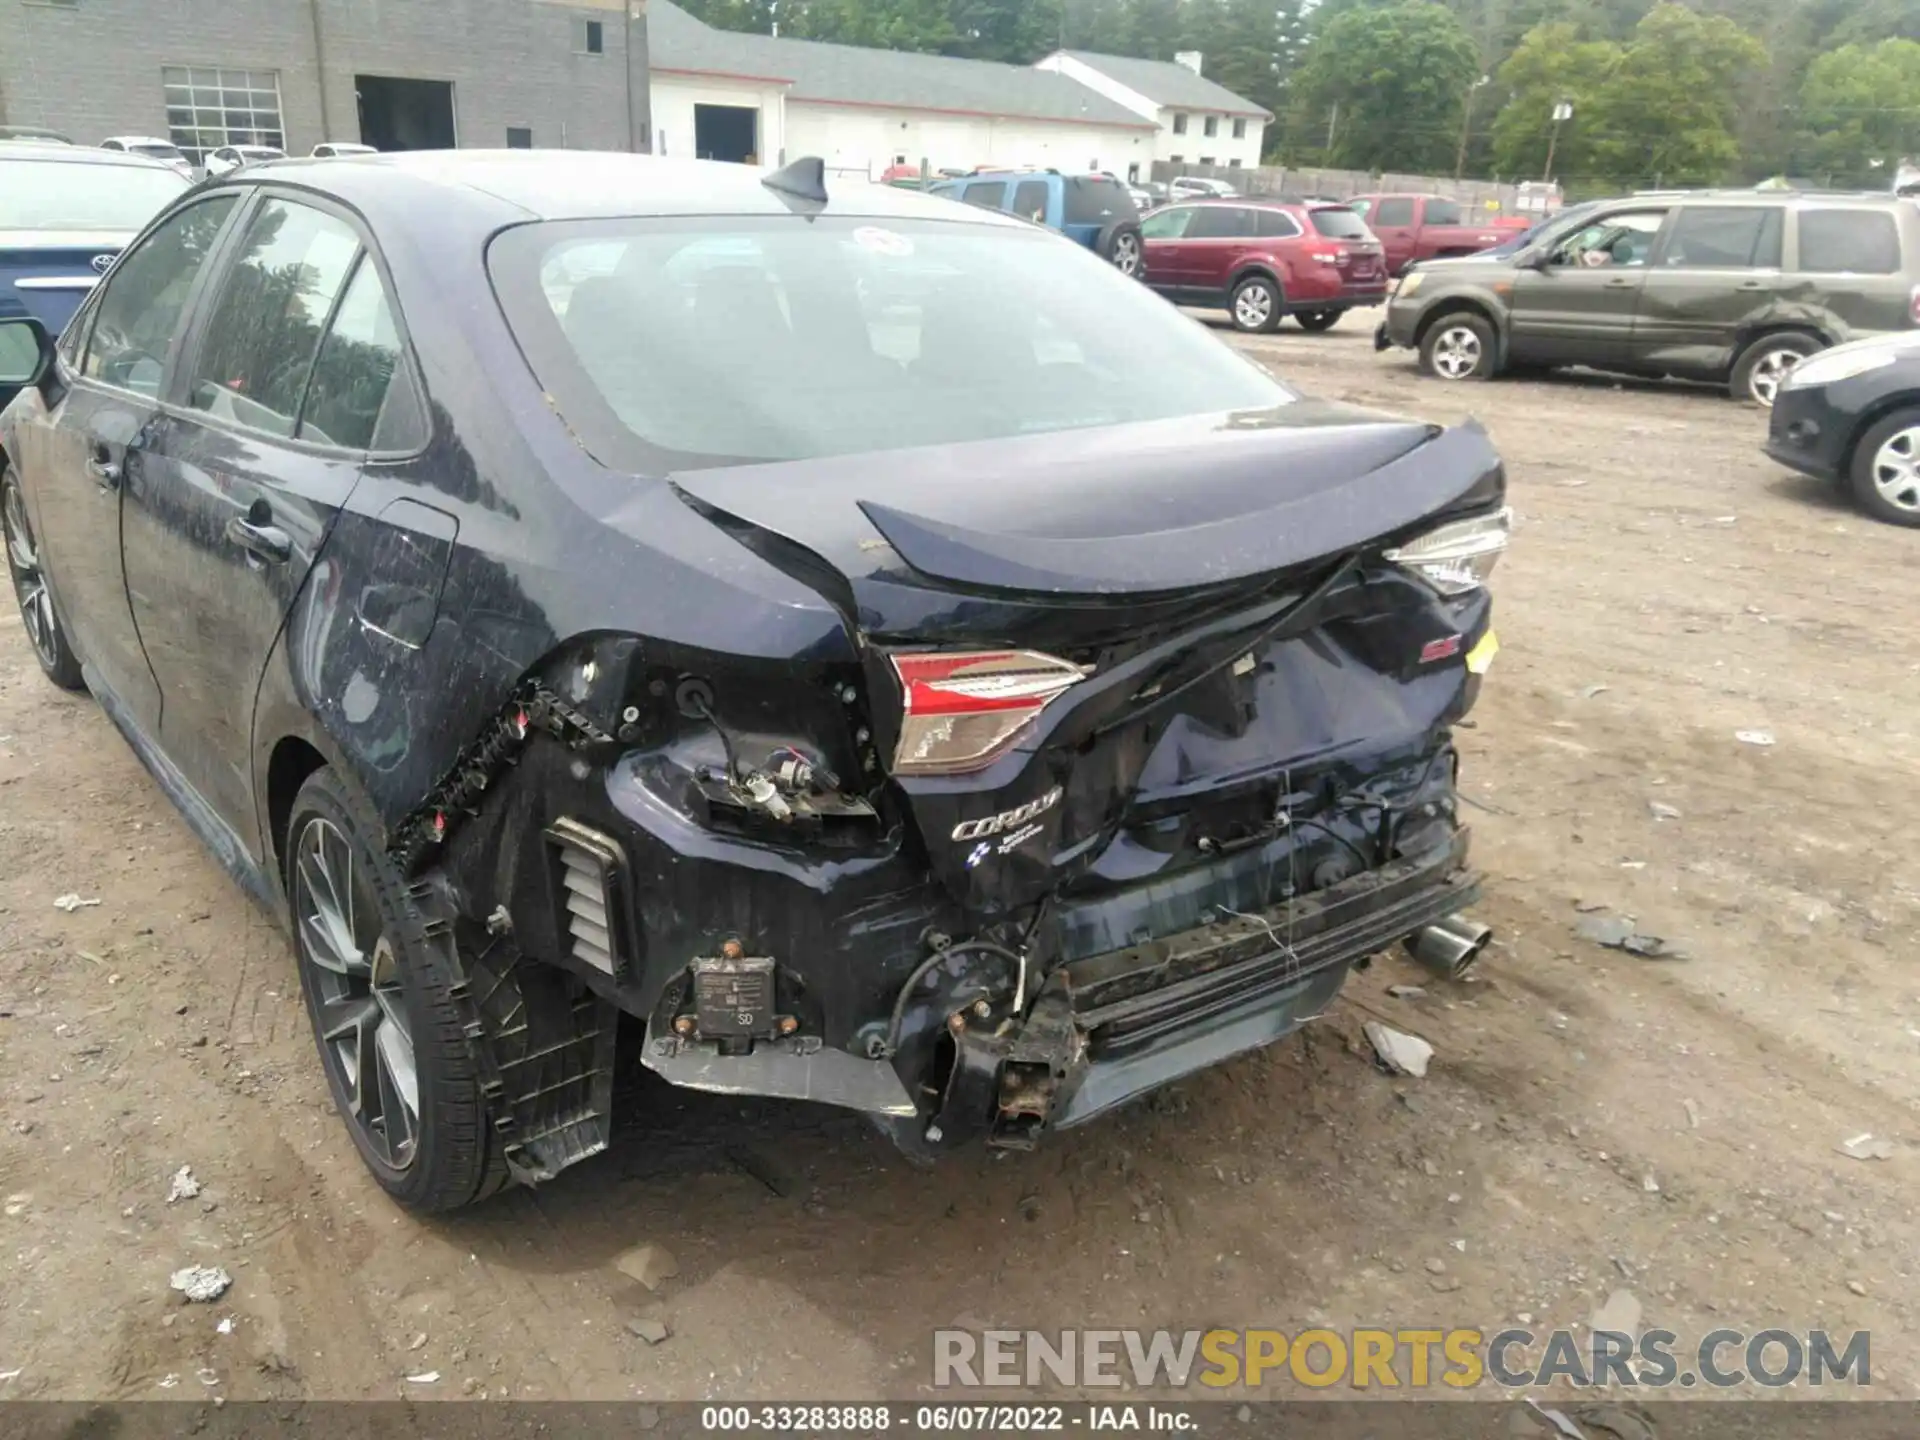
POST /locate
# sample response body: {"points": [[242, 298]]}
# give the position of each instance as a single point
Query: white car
{"points": [[229, 158], [330, 148], [153, 148], [1189, 186]]}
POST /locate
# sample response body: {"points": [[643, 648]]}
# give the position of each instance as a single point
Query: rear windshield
{"points": [[1340, 223], [672, 343], [52, 195], [1097, 200]]}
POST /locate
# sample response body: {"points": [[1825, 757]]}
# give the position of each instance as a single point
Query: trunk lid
{"points": [[48, 273], [1205, 574]]}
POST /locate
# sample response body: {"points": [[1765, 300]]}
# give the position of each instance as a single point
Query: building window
{"points": [[1234, 163], [1178, 159], [519, 137], [1206, 159], [1239, 129], [209, 108], [1213, 126], [589, 37], [1179, 124]]}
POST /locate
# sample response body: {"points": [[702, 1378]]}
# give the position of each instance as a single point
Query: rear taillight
{"points": [[1325, 257], [1458, 556], [1913, 304], [960, 710]]}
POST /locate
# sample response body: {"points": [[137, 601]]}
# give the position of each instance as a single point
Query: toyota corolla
{"points": [[893, 658]]}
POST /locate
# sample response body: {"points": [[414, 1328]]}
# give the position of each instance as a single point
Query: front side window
{"points": [[1168, 224], [695, 341], [1397, 211], [208, 108], [1724, 237], [1622, 240], [52, 195], [1849, 242], [265, 326], [137, 320]]}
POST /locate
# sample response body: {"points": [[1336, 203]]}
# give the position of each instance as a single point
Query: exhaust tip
{"points": [[1449, 947]]}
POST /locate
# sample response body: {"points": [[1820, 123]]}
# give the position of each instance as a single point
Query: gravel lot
{"points": [[1593, 1120]]}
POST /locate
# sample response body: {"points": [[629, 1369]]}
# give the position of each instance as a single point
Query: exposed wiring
{"points": [[906, 991], [700, 707]]}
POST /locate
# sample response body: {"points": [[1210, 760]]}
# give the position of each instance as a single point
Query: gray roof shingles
{"points": [[1169, 84], [849, 74]]}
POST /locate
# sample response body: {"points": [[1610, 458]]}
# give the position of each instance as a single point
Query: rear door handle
{"points": [[266, 542], [104, 469], [1621, 283]]}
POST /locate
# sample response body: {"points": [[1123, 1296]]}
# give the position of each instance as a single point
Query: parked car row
{"points": [[226, 158]]}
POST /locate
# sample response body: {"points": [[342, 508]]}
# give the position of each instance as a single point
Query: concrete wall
{"points": [[93, 69], [1491, 197], [857, 138]]}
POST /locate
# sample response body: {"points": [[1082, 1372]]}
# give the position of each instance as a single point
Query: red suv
{"points": [[1260, 260]]}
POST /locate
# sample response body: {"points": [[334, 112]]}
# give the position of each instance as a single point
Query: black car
{"points": [[892, 656], [1852, 415]]}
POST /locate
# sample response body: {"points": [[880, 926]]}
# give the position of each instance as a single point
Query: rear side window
{"points": [[1280, 225], [1443, 212], [1849, 242], [265, 330], [1097, 200], [1221, 222], [1030, 200], [1724, 237], [1338, 224], [1394, 212], [359, 397], [988, 194], [135, 321]]}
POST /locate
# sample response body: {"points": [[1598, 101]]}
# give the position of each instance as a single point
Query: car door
{"points": [[1847, 262], [78, 457], [1030, 200], [1577, 306], [1394, 223], [1715, 273], [272, 416], [1163, 235], [1215, 243]]}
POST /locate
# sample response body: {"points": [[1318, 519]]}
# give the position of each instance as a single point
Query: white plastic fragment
{"points": [[200, 1283], [1754, 737], [1401, 1053], [71, 903], [1865, 1147], [425, 1377], [184, 1186]]}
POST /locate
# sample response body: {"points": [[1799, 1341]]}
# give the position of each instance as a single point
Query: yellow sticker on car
{"points": [[1480, 657]]}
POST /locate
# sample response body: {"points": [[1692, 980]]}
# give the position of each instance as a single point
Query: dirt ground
{"points": [[1593, 1120]]}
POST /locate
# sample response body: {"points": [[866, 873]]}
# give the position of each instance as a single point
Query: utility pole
{"points": [[1561, 112], [639, 80], [1333, 119], [1466, 125]]}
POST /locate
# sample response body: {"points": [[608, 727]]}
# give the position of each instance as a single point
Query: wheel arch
{"points": [[1762, 328], [292, 761], [1460, 305], [1258, 269], [1871, 416]]}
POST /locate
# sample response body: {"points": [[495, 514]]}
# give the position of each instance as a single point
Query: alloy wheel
{"points": [[1126, 254], [1253, 307], [1456, 354], [365, 1030], [1896, 470], [1770, 372], [29, 584]]}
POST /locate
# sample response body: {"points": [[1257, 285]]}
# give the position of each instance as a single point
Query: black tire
{"points": [[1459, 346], [45, 634], [454, 1157], [1318, 320], [1885, 473], [1764, 364], [1256, 305], [1122, 249]]}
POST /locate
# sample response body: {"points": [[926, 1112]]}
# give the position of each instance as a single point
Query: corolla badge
{"points": [[101, 264], [1007, 819]]}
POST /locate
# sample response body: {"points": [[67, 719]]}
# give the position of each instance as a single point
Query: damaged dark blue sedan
{"points": [[893, 657]]}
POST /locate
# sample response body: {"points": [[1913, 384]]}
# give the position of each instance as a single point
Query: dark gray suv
{"points": [[1726, 286]]}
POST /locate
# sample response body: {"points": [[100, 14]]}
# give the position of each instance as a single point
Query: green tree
{"points": [[1668, 111], [1861, 105], [1551, 64], [1387, 84]]}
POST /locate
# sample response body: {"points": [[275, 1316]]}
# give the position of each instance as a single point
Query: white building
{"points": [[725, 95], [1197, 122]]}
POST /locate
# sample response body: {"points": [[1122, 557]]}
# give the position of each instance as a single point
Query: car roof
{"points": [[141, 140], [51, 152], [493, 188]]}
